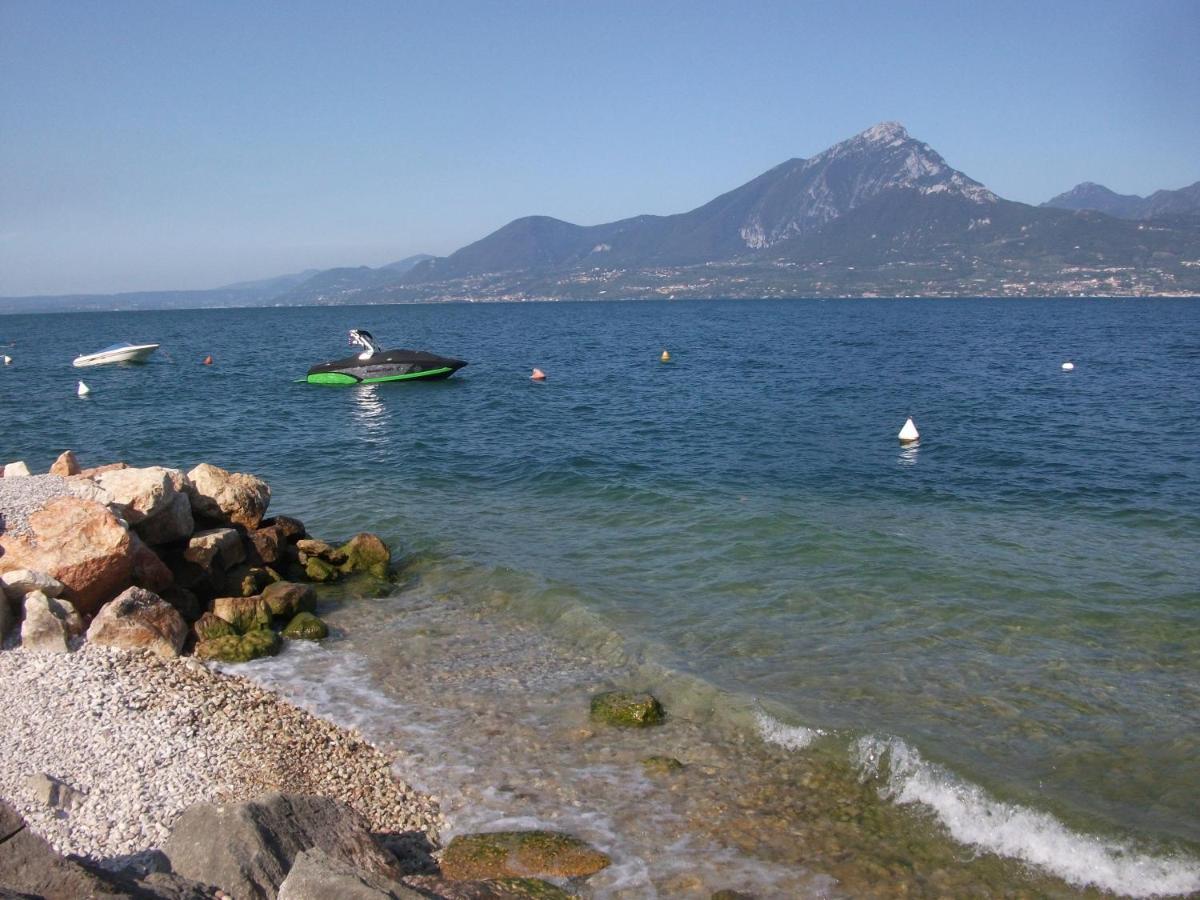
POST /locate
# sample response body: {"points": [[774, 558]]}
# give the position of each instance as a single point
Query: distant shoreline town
{"points": [[878, 215]]}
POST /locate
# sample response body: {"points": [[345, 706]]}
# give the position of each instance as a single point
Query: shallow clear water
{"points": [[1016, 600]]}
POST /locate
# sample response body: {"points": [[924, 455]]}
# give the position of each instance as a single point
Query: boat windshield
{"points": [[124, 345]]}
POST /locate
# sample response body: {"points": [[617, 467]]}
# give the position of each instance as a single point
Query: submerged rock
{"points": [[627, 710], [517, 854], [309, 548], [139, 620], [237, 648], [306, 627], [366, 552], [661, 765]]}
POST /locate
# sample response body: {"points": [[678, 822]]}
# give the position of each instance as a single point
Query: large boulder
{"points": [[174, 523], [365, 552], [139, 620], [267, 545], [16, 469], [517, 854], [243, 613], [625, 709], [20, 582], [286, 598], [239, 648], [49, 624], [293, 529], [316, 875], [65, 465], [78, 542], [29, 865], [227, 497], [219, 548], [149, 571], [140, 494], [247, 849]]}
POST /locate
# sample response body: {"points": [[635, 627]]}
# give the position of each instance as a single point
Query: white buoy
{"points": [[1068, 367], [908, 434], [83, 390], [7, 360], [666, 357], [538, 375]]}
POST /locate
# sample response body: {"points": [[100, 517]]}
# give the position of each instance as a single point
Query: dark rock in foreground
{"points": [[248, 849]]}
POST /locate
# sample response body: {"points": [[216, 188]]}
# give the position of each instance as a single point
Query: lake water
{"points": [[969, 665]]}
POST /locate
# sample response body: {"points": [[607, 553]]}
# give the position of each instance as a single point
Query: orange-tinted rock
{"points": [[80, 543], [139, 620], [149, 571], [65, 465], [227, 497]]}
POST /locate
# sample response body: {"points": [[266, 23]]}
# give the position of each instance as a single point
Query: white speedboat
{"points": [[117, 353]]}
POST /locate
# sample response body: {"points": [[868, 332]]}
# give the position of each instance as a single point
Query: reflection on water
{"points": [[370, 415], [908, 454]]}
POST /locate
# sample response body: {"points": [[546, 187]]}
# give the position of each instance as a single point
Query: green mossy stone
{"points": [[366, 552], [661, 765], [319, 570], [243, 613], [627, 710], [519, 854], [208, 628], [240, 648], [305, 627], [285, 598]]}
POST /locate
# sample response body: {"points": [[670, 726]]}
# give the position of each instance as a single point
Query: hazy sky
{"points": [[161, 144]]}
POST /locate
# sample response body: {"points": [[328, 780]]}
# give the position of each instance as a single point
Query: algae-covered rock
{"points": [[310, 547], [285, 598], [626, 709], [317, 569], [209, 627], [243, 613], [305, 627], [366, 552], [661, 765], [240, 648], [518, 854], [246, 581]]}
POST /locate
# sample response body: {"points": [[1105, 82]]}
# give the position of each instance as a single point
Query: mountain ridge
{"points": [[878, 214]]}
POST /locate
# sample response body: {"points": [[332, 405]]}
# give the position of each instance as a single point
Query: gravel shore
{"points": [[142, 739]]}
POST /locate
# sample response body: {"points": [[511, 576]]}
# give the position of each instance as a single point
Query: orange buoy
{"points": [[538, 375], [208, 360]]}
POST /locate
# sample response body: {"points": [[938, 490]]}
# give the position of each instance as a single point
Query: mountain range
{"points": [[879, 214]]}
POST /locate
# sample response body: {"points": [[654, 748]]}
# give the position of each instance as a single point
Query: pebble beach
{"points": [[139, 739]]}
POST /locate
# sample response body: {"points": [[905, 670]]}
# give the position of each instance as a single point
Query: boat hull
{"points": [[138, 353], [391, 365]]}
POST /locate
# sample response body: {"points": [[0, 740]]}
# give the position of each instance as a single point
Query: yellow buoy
{"points": [[666, 357]]}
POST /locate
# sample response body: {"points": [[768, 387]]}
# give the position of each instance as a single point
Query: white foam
{"points": [[981, 821], [789, 737]]}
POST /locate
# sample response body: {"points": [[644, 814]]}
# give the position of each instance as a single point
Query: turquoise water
{"points": [[1017, 599]]}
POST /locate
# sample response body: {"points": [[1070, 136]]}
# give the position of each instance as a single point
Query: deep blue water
{"points": [[1018, 597]]}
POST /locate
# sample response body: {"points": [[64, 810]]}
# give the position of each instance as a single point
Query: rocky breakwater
{"points": [[157, 558]]}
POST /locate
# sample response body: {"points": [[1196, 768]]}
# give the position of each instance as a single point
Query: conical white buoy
{"points": [[909, 434], [1068, 366], [666, 357], [7, 360], [83, 390], [538, 375]]}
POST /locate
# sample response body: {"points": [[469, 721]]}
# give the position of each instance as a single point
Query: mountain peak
{"points": [[885, 133]]}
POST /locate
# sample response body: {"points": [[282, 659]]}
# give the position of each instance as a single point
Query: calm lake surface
{"points": [[991, 640]]}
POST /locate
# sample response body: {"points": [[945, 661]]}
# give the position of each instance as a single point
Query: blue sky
{"points": [[162, 144]]}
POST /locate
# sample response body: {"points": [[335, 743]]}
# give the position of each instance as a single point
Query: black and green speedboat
{"points": [[374, 366]]}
